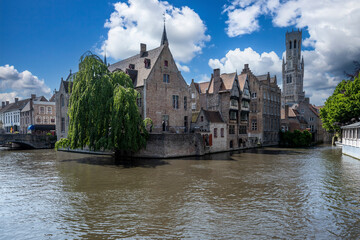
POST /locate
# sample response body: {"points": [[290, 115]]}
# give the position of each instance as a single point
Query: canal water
{"points": [[256, 194]]}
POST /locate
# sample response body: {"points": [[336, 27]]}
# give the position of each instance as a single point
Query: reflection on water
{"points": [[260, 193]]}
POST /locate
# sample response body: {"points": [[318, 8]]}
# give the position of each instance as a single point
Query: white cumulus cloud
{"points": [[258, 63], [141, 21], [333, 27], [20, 84]]}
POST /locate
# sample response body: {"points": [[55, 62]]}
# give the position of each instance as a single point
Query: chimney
{"points": [[16, 100], [7, 102], [246, 66], [2, 104], [217, 80], [286, 112], [142, 49], [33, 96]]}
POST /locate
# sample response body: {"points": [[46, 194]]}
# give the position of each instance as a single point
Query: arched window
{"points": [[290, 45], [62, 100], [294, 43]]}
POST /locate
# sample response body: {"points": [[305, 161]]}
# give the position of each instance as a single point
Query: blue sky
{"points": [[40, 41]]}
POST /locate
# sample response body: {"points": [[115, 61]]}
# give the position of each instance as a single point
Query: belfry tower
{"points": [[293, 70]]}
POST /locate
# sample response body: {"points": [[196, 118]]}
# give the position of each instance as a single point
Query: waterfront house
{"points": [[164, 96], [40, 113], [351, 140], [264, 116], [62, 98], [213, 130], [10, 115]]}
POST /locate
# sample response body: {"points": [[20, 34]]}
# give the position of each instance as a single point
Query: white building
{"points": [[351, 140], [10, 115]]}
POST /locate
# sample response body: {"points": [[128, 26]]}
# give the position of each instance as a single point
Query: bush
{"points": [[295, 139]]}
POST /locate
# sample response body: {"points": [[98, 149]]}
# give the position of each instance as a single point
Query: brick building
{"points": [[40, 113], [265, 104], [62, 98], [164, 94], [213, 130]]}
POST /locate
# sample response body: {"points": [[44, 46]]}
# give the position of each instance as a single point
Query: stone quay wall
{"points": [[169, 145]]}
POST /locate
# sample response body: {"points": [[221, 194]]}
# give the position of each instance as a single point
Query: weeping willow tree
{"points": [[102, 110]]}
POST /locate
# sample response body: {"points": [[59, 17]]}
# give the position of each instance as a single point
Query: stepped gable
{"points": [[135, 66]]}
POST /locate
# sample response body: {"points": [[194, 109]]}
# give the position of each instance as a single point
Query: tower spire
{"points": [[105, 62], [164, 39]]}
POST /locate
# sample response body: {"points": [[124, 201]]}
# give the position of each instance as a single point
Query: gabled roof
{"points": [[66, 85], [5, 108], [203, 86], [213, 116], [17, 105], [138, 61], [242, 79], [227, 80], [314, 110]]}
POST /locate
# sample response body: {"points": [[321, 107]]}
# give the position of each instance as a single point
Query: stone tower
{"points": [[293, 70]]}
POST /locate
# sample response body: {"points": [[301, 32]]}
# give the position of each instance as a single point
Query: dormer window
{"points": [[147, 63], [166, 63], [132, 66]]}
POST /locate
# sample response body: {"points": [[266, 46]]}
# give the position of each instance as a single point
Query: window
{"points": [[244, 116], [147, 63], [175, 101], [242, 130], [49, 110], [45, 120], [193, 106], [215, 132], [222, 132], [233, 115], [290, 45], [166, 63], [132, 66], [253, 95], [254, 125], [185, 103], [311, 119], [289, 79], [231, 129], [166, 78], [201, 118], [62, 124], [192, 95], [62, 100], [42, 110], [294, 43], [52, 120], [138, 101], [233, 103], [245, 104]]}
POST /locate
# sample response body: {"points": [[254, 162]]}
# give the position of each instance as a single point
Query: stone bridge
{"points": [[28, 140]]}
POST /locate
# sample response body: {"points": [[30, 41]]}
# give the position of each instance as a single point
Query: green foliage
{"points": [[102, 109], [342, 105], [296, 138], [62, 143]]}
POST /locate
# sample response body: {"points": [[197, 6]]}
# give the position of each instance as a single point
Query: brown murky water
{"points": [[257, 194]]}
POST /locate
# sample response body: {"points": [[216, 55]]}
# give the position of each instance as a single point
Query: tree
{"points": [[102, 110], [343, 106]]}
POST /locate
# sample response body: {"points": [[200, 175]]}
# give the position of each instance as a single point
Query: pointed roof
{"points": [[242, 79], [164, 39], [137, 61], [204, 86]]}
